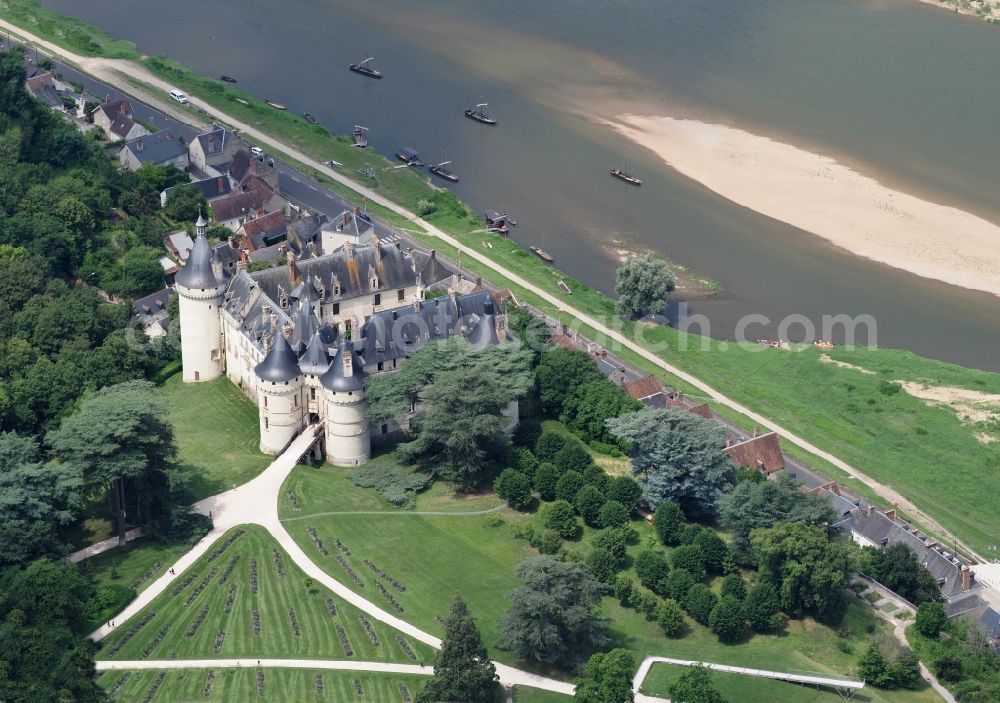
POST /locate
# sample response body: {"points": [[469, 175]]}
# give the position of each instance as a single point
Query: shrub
{"points": [[426, 207], [689, 533], [604, 448], [652, 567], [670, 617], [905, 670], [623, 588], [526, 433], [602, 564], [699, 603], [589, 501], [613, 540], [668, 521], [568, 485], [548, 445], [872, 667], [392, 483], [762, 606], [559, 516], [948, 668], [930, 619], [514, 487], [546, 477], [714, 550], [526, 461], [727, 619], [733, 585], [572, 457], [647, 603], [613, 514], [690, 558], [550, 542], [678, 583], [627, 491], [597, 477]]}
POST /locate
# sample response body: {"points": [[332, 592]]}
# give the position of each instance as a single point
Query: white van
{"points": [[178, 96]]}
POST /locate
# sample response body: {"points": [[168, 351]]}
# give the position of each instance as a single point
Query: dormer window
{"points": [[283, 300], [374, 282]]}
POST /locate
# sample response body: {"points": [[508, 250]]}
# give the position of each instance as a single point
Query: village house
{"points": [[43, 86], [163, 148], [117, 119], [214, 149], [212, 188], [152, 312]]}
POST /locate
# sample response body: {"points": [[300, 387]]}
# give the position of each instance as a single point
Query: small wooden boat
{"points": [[441, 170], [360, 135], [310, 118], [276, 105], [227, 79], [541, 254], [626, 174], [365, 69], [409, 157], [479, 114], [563, 287]]}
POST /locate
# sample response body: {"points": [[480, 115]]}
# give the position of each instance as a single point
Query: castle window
{"points": [[385, 429], [265, 423], [265, 401], [312, 394], [378, 298], [335, 309], [380, 365]]}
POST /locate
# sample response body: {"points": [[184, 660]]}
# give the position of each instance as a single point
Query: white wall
{"points": [[279, 407], [201, 334]]}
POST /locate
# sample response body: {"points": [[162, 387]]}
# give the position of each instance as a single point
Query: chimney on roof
{"points": [[138, 144], [378, 248], [343, 218], [349, 248], [348, 364], [121, 107], [756, 430], [966, 578], [232, 241], [871, 510], [891, 514], [293, 270]]}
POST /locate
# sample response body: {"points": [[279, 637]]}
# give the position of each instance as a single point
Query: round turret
{"points": [[279, 396], [348, 438], [200, 295]]}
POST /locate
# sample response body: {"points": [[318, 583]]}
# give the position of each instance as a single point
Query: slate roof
{"points": [[240, 165], [280, 363], [153, 303], [156, 148], [216, 187], [762, 453], [316, 359], [120, 115], [197, 271], [43, 87], [269, 225], [434, 271], [306, 326], [336, 378], [213, 141], [239, 205]]}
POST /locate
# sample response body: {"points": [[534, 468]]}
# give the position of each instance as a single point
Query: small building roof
{"points": [[762, 453], [197, 271], [211, 188], [156, 148], [268, 226], [153, 303], [180, 243], [641, 388], [279, 363], [238, 205], [43, 86], [240, 165], [213, 141]]}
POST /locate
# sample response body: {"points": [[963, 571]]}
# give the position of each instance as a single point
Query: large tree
{"points": [[120, 439], [36, 498], [643, 283], [462, 668], [607, 679], [676, 456], [750, 506], [447, 382], [553, 616], [559, 372], [695, 686], [898, 568]]}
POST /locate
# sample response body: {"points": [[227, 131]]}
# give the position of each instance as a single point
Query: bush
{"points": [[572, 457], [762, 606], [678, 583], [733, 585], [727, 620], [514, 487], [905, 671], [652, 567], [546, 477], [392, 483], [602, 564], [627, 491], [623, 588], [526, 461], [597, 477], [930, 619], [670, 617], [526, 433], [548, 445], [426, 207], [568, 485], [604, 448], [691, 559], [613, 540], [713, 549], [689, 533], [699, 603], [560, 517], [948, 668], [613, 514], [550, 542], [668, 521], [589, 501], [872, 667]]}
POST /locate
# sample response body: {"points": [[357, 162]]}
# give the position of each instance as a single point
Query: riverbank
{"points": [[819, 195], [983, 9]]}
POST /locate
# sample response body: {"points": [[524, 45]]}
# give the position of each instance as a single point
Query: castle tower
{"points": [[279, 396], [348, 439], [200, 294]]}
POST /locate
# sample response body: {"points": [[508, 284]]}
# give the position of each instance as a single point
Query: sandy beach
{"points": [[819, 195]]}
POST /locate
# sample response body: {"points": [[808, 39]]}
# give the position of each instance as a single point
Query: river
{"points": [[895, 88]]}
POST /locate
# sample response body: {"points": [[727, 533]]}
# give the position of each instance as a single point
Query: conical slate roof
{"points": [[316, 360], [197, 272], [280, 363], [335, 380], [306, 323]]}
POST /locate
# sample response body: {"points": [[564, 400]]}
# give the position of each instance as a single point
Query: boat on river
{"points": [[542, 254], [441, 170], [227, 79], [360, 136], [276, 105], [365, 68], [310, 118], [479, 114], [409, 156], [626, 174]]}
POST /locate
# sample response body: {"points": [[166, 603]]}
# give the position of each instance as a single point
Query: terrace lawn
{"points": [[217, 433], [319, 638]]}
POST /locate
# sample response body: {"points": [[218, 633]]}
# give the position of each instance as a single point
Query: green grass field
{"points": [[318, 637], [217, 433], [146, 557]]}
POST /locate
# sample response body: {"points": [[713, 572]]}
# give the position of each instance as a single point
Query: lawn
{"points": [[283, 602], [136, 567], [217, 433]]}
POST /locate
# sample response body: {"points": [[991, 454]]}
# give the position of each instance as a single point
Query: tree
{"points": [[560, 517], [677, 456], [678, 583], [546, 477], [931, 617], [762, 606], [514, 487], [652, 567], [670, 617], [589, 501], [948, 668], [751, 506], [642, 282], [713, 549], [623, 589], [668, 520], [727, 620], [695, 686], [559, 372], [550, 542], [608, 678], [613, 514], [810, 571], [589, 405], [440, 379], [526, 433], [602, 564], [185, 203], [733, 585], [572, 457], [42, 620], [898, 568], [615, 540], [462, 667], [548, 445], [526, 462], [905, 670], [568, 485], [121, 438], [691, 559], [699, 602], [626, 491], [553, 617], [872, 667], [597, 477]]}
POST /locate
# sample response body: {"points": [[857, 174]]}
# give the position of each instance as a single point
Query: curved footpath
{"points": [[113, 71]]}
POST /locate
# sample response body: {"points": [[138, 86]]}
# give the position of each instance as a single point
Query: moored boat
{"points": [[441, 170], [310, 118], [626, 174], [479, 114], [276, 105], [541, 254], [365, 69], [360, 136], [409, 157], [227, 79]]}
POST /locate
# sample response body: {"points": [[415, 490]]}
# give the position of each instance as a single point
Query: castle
{"points": [[300, 339]]}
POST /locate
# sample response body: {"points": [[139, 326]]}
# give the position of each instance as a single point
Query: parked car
{"points": [[178, 96]]}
